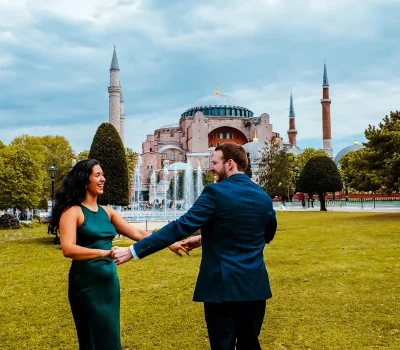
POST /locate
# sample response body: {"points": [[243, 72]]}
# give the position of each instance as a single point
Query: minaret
{"points": [[114, 93], [326, 115], [292, 132], [122, 117]]}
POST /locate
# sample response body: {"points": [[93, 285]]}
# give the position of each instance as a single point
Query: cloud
{"points": [[56, 55]]}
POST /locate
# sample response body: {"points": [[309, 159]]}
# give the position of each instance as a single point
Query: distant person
{"points": [[236, 219], [86, 233]]}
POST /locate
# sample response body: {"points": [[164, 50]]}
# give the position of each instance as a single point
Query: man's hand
{"points": [[121, 255], [178, 246], [191, 242]]}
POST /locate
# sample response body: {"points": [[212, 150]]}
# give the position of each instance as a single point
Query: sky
{"points": [[55, 58]]}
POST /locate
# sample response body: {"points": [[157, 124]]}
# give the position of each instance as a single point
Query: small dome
{"points": [[295, 150], [214, 100], [346, 150], [255, 149], [174, 125], [180, 166], [164, 148]]}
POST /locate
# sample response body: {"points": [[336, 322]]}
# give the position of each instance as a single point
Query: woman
{"points": [[86, 234]]}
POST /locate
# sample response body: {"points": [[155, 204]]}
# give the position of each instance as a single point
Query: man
{"points": [[236, 220]]}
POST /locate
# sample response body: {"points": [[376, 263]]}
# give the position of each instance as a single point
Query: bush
{"points": [[108, 149], [8, 221]]}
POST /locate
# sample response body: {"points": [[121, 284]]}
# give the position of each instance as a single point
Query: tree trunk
{"points": [[321, 197]]}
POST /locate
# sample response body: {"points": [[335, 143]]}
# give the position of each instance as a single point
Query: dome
{"points": [[214, 100], [254, 148], [180, 166], [174, 125], [341, 153], [164, 148], [217, 105], [295, 150]]}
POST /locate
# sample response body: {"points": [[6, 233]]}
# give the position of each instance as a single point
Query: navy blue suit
{"points": [[236, 219]]}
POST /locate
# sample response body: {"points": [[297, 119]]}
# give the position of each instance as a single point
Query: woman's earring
{"points": [[85, 187]]}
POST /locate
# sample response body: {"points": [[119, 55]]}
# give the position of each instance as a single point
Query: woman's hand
{"points": [[178, 246]]}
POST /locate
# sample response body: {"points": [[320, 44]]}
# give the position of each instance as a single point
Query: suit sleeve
{"points": [[198, 215], [270, 229]]}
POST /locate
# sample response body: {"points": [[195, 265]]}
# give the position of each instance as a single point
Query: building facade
{"points": [[209, 122]]}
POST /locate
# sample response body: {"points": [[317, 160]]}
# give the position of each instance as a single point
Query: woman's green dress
{"points": [[94, 292]]}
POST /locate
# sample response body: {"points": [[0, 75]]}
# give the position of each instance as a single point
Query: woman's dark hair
{"points": [[72, 191]]}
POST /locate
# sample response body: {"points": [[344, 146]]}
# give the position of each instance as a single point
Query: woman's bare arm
{"points": [[69, 221]]}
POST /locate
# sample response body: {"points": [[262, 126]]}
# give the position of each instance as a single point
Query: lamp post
{"points": [[52, 173]]}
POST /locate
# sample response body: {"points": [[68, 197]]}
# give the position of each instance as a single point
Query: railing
{"points": [[361, 203]]}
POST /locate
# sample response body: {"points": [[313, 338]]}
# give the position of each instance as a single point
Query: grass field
{"points": [[335, 279]]}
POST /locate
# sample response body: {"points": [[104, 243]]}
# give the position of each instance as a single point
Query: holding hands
{"points": [[122, 255]]}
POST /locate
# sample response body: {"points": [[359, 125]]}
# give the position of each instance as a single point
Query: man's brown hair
{"points": [[235, 152]]}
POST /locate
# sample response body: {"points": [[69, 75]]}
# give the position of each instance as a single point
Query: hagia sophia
{"points": [[209, 122]]}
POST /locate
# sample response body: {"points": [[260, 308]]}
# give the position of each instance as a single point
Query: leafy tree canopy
{"points": [[355, 167], [308, 153], [83, 155], [275, 170], [131, 159], [21, 178], [108, 149], [2, 145], [377, 166], [384, 151], [320, 175]]}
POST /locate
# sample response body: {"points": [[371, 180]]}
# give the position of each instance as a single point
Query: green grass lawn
{"points": [[335, 279]]}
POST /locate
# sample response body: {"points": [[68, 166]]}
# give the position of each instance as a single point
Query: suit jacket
{"points": [[236, 219]]}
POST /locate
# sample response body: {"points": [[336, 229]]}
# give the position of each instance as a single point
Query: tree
{"points": [[248, 171], [108, 149], [377, 166], [83, 155], [49, 151], [21, 178], [179, 189], [383, 152], [2, 145], [308, 153], [58, 152], [208, 177], [131, 159], [275, 166], [320, 175], [355, 166]]}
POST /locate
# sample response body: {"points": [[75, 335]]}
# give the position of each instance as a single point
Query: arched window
{"points": [[180, 157], [211, 144], [164, 156], [172, 155], [151, 150], [217, 144]]}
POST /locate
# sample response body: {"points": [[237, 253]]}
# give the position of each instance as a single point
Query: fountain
{"points": [[137, 184], [191, 190], [188, 189], [199, 182], [166, 180], [175, 189], [153, 184]]}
